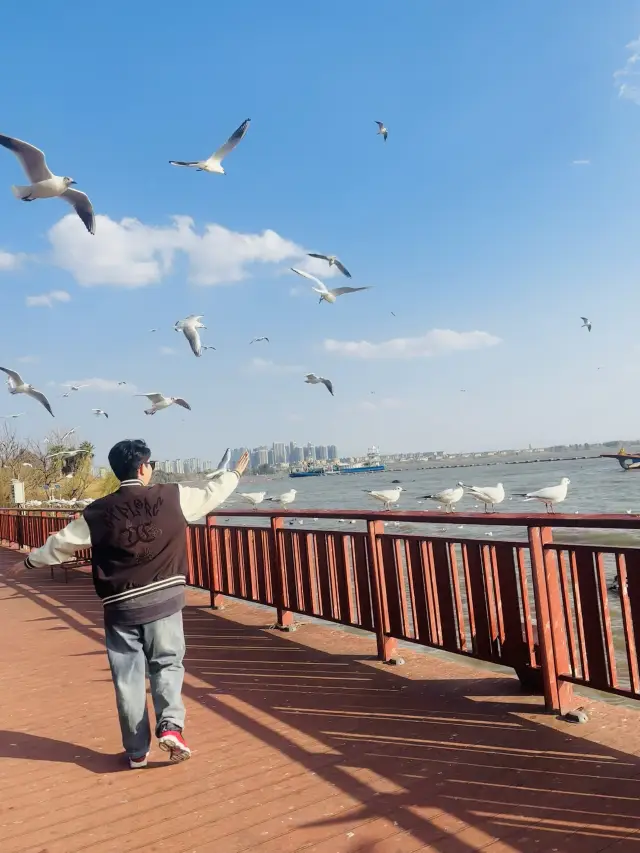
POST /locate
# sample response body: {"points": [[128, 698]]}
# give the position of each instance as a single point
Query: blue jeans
{"points": [[156, 648]]}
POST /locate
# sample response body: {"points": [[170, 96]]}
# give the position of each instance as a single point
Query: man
{"points": [[137, 537]]}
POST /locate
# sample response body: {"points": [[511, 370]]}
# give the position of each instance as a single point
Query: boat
{"points": [[371, 465], [627, 461], [307, 472]]}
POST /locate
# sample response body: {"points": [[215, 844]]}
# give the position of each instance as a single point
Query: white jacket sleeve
{"points": [[197, 501], [61, 547]]}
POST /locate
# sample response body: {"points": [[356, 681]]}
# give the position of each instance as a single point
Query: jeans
{"points": [[156, 648]]}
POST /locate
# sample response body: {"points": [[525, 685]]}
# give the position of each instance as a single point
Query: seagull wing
{"points": [[339, 291], [82, 206], [15, 377], [191, 334], [184, 163], [314, 255], [308, 275], [231, 142], [39, 396], [328, 385], [153, 397], [380, 124], [342, 268], [180, 402], [32, 158], [584, 319], [311, 377]]}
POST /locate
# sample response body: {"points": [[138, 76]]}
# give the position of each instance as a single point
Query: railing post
{"points": [[548, 610], [213, 565], [285, 617], [558, 625], [387, 645]]}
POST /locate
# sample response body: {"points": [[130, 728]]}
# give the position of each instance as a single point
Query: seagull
{"points": [[214, 163], [223, 465], [189, 326], [448, 497], [586, 324], [333, 261], [44, 184], [75, 387], [382, 130], [550, 496], [27, 464], [67, 434], [98, 412], [489, 495], [153, 330], [18, 386], [285, 498], [9, 417], [254, 498], [312, 379], [323, 290], [159, 401], [257, 340], [122, 383], [68, 453], [387, 497]]}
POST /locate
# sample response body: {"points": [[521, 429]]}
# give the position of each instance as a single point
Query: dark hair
{"points": [[127, 456]]}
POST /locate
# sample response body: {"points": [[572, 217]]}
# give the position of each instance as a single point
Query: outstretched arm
{"points": [[61, 546], [197, 501]]}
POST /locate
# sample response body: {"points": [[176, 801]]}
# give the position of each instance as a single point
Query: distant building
{"points": [[295, 454], [321, 452], [279, 453], [332, 452], [309, 453]]}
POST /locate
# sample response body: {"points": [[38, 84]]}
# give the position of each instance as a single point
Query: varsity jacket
{"points": [[137, 537]]}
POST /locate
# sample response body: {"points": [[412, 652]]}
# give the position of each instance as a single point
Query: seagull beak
{"points": [[72, 182]]}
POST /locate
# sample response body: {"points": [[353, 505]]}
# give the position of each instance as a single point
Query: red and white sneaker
{"points": [[171, 741], [135, 763]]}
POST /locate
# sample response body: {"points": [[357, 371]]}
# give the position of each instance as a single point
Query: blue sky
{"points": [[473, 217]]}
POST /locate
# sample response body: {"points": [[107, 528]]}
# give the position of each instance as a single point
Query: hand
{"points": [[241, 465]]}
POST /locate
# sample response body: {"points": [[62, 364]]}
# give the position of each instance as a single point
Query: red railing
{"points": [[532, 604]]}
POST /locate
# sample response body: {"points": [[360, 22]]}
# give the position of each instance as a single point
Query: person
{"points": [[137, 537]]}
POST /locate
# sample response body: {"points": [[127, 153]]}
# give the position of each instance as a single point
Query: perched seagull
{"points": [[333, 261], [18, 386], [285, 498], [27, 464], [44, 184], [159, 401], [382, 130], [189, 326], [99, 412], [214, 163], [448, 497], [9, 417], [257, 340], [586, 324], [254, 498], [323, 290], [312, 379], [223, 465], [550, 496], [387, 497], [489, 495]]}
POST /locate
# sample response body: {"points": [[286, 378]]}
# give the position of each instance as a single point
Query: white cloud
{"points": [[434, 342], [28, 359], [46, 300], [97, 384], [265, 366], [130, 253], [167, 351], [627, 78], [9, 261]]}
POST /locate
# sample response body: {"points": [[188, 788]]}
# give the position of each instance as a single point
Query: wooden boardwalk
{"points": [[301, 742]]}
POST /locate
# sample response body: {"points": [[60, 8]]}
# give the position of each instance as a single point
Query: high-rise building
{"points": [[279, 453], [271, 458], [295, 454], [332, 451], [309, 452], [321, 452]]}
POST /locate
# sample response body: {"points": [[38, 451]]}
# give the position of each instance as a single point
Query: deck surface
{"points": [[301, 742]]}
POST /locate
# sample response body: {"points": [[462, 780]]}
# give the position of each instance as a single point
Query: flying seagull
{"points": [[189, 326], [75, 387], [257, 340], [382, 130], [214, 163], [550, 496], [323, 290], [9, 417], [386, 496], [312, 379], [223, 465], [159, 401], [44, 184], [586, 323], [122, 383], [153, 330], [67, 434], [448, 497], [18, 386], [67, 453], [333, 261], [489, 495], [99, 412]]}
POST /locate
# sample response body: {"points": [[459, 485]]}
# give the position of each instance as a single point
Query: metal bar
{"points": [[606, 621], [627, 623]]}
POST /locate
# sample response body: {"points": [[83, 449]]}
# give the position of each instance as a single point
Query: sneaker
{"points": [[171, 741], [135, 763]]}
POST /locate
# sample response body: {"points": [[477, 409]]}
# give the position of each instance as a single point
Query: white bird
{"points": [[27, 464], [285, 498], [159, 401], [382, 130], [214, 163], [99, 412], [489, 495], [75, 387], [18, 386], [312, 379], [387, 496], [257, 340], [448, 497], [189, 326], [325, 293], [44, 184], [67, 453], [9, 417], [67, 434], [223, 465], [586, 323], [254, 498], [549, 496], [333, 261]]}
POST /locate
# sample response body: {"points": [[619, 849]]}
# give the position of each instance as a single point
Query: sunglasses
{"points": [[152, 464]]}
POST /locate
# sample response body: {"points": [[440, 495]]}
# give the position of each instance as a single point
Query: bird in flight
{"points": [[257, 340], [17, 385], [99, 412], [333, 262], [382, 130], [189, 326], [44, 184], [326, 294], [586, 323], [312, 379], [214, 162], [159, 401]]}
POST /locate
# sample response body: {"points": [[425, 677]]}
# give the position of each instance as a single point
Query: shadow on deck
{"points": [[300, 741]]}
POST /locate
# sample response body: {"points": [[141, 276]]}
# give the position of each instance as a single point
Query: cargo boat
{"points": [[371, 465]]}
